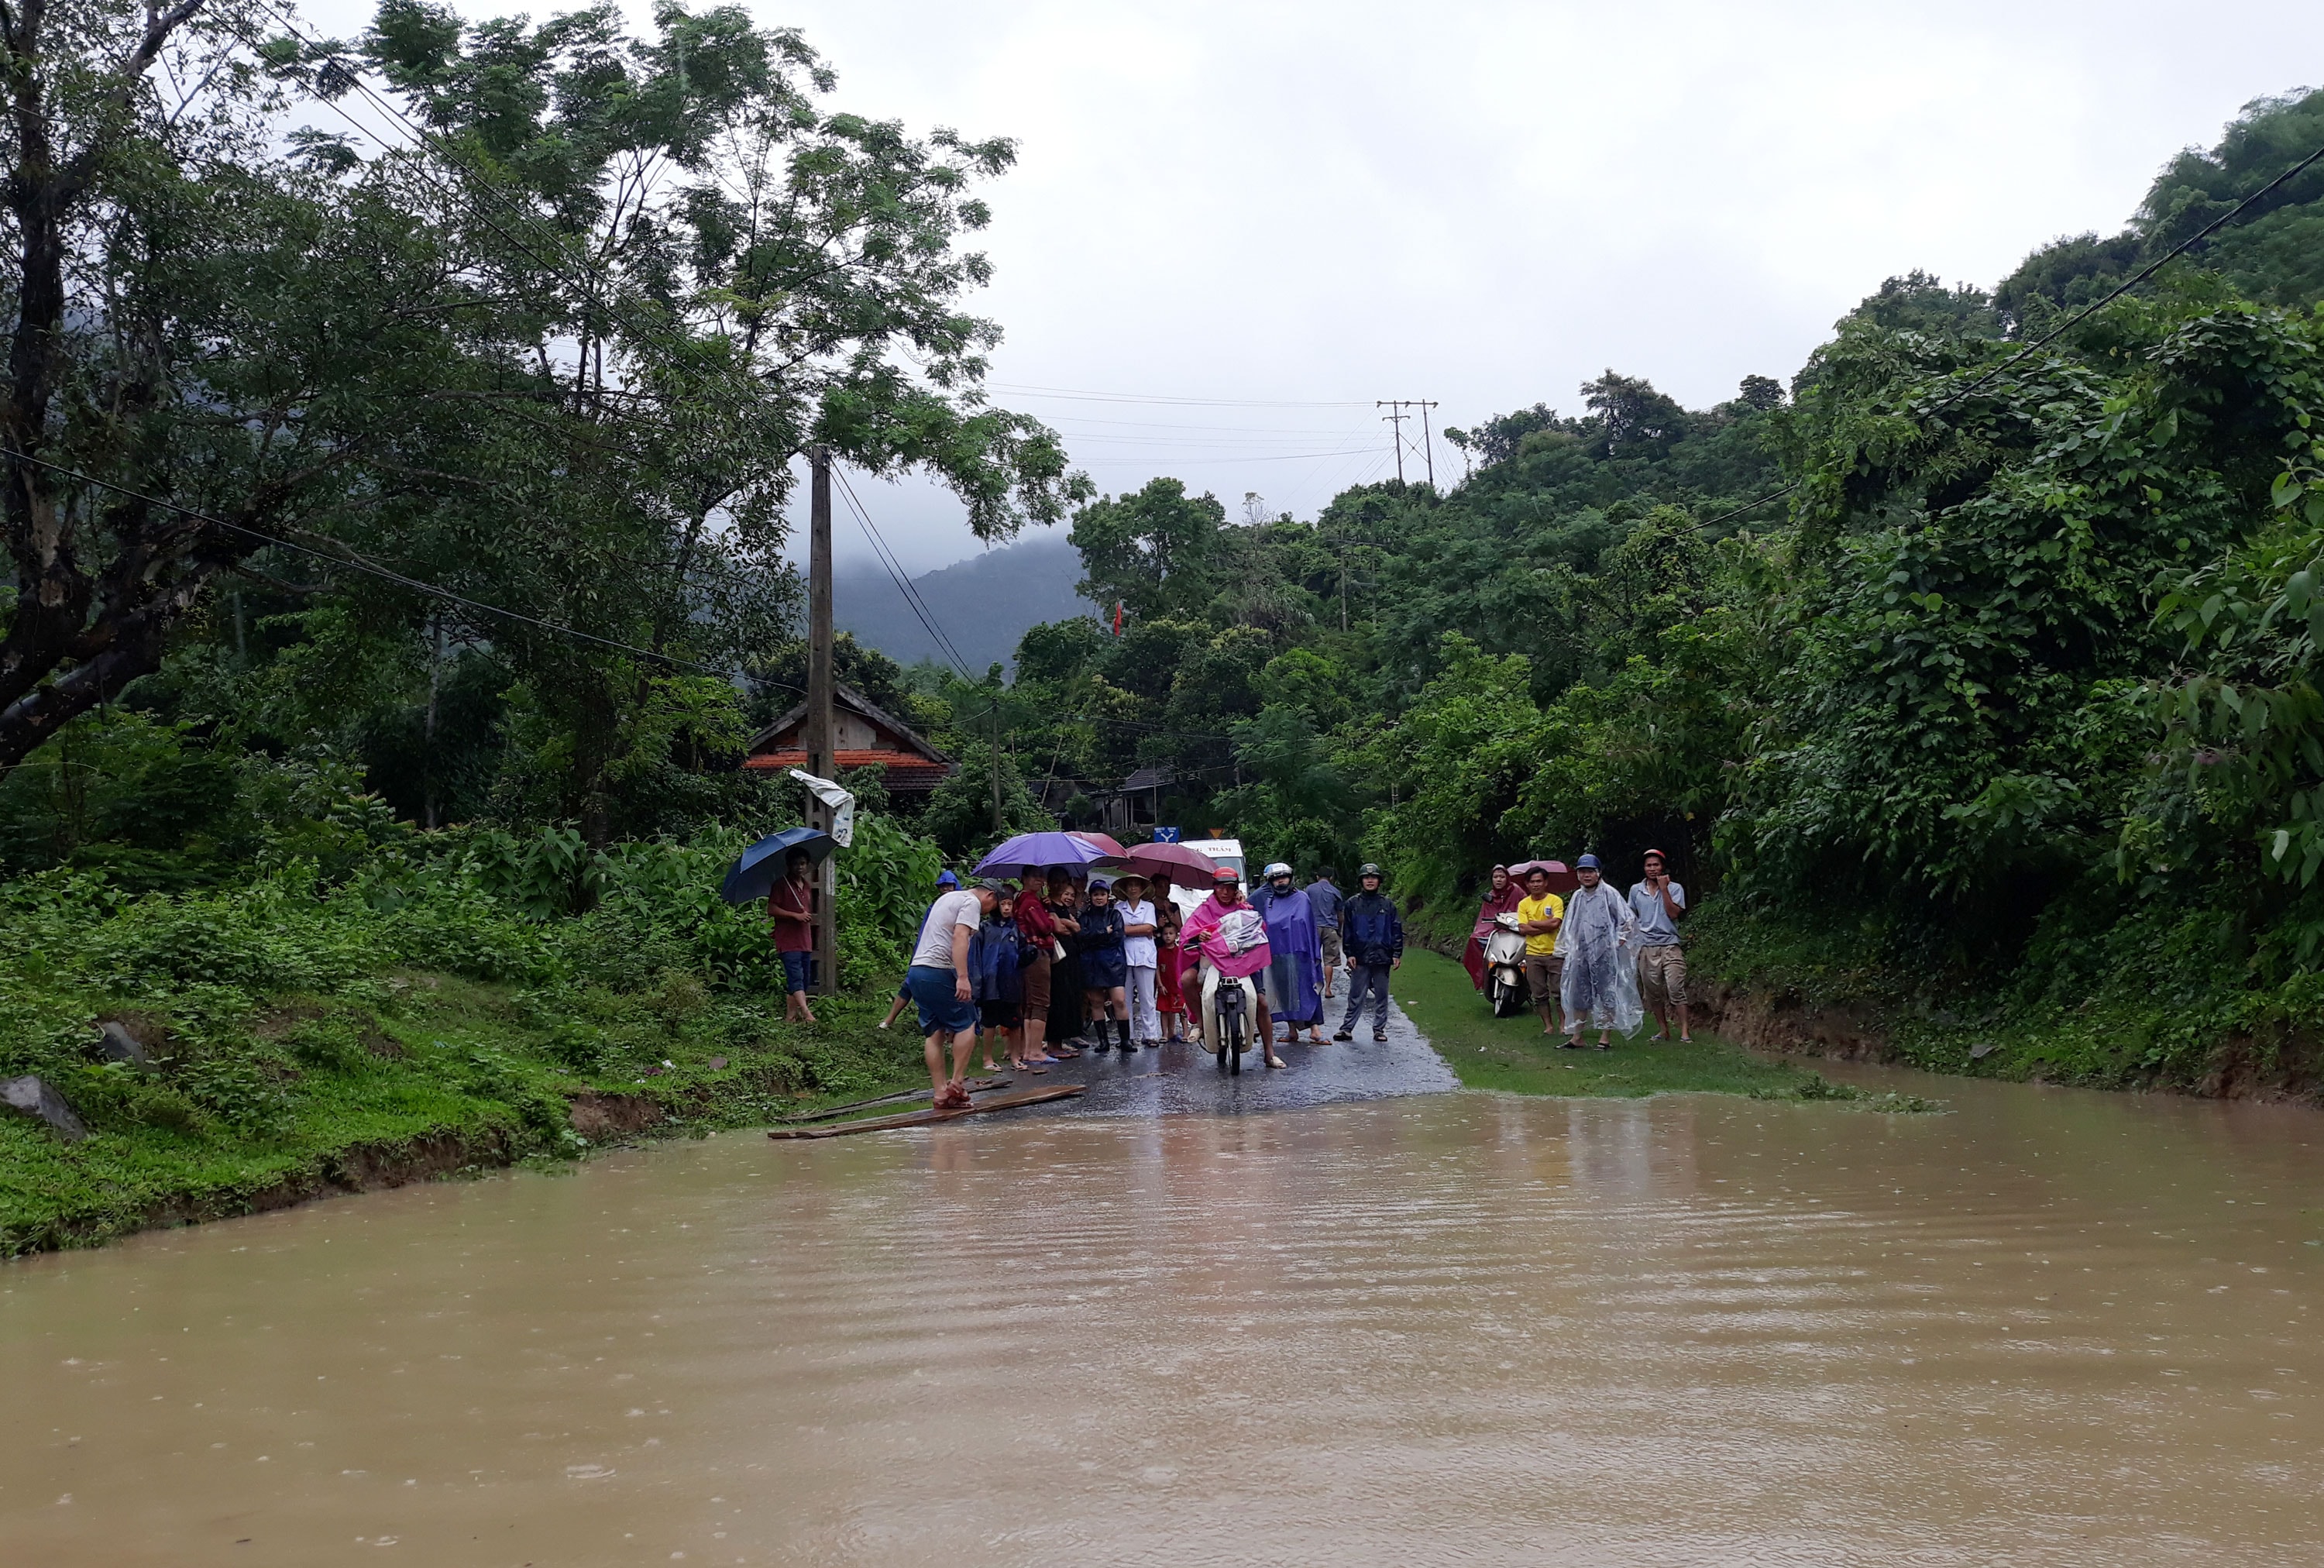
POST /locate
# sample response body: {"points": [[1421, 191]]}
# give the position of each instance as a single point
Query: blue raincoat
{"points": [[1294, 971]]}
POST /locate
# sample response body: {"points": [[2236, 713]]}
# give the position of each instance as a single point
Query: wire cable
{"points": [[1079, 394], [2075, 320], [415, 585], [893, 565]]}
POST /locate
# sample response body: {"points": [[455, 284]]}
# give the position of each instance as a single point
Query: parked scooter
{"points": [[1505, 976]]}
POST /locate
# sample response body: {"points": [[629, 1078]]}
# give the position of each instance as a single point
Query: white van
{"points": [[1227, 852]]}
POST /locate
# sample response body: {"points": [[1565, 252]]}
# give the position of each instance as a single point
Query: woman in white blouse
{"points": [[1137, 948]]}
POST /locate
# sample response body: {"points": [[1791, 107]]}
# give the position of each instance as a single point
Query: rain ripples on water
{"points": [[2046, 1327]]}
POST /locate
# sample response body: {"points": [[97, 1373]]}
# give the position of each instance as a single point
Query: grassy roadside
{"points": [[1511, 1054], [440, 1075]]}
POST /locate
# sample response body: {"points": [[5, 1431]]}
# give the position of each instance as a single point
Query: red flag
{"points": [[1116, 617]]}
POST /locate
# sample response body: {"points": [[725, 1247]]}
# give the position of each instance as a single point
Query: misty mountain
{"points": [[983, 603]]}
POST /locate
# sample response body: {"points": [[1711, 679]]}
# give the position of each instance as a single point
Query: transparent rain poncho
{"points": [[1600, 944]]}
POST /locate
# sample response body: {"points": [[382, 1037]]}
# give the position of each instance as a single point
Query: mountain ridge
{"points": [[982, 605]]}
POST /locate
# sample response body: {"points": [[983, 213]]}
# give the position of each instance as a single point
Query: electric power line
{"points": [[388, 574], [1081, 395], [2127, 284], [894, 567]]}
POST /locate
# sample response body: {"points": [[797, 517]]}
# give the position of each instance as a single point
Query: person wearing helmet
{"points": [[1373, 935], [1294, 977], [1205, 938]]}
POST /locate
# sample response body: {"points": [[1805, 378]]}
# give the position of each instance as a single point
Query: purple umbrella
{"points": [[1040, 849]]}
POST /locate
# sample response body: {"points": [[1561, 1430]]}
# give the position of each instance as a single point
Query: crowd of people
{"points": [[1063, 960], [1596, 956]]}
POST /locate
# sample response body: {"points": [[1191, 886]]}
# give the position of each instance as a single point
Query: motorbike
{"points": [[1505, 976], [1232, 952]]}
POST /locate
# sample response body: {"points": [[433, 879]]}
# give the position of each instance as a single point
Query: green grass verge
{"points": [[443, 1076], [1512, 1055]]}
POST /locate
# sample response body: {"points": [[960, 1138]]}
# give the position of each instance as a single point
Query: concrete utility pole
{"points": [[820, 760]]}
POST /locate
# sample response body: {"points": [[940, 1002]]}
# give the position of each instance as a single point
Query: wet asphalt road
{"points": [[1184, 1079]]}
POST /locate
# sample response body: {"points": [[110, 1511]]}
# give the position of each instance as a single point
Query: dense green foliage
{"points": [[1977, 685], [2010, 699], [372, 868]]}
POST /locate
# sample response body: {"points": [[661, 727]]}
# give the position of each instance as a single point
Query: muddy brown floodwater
{"points": [[2052, 1328]]}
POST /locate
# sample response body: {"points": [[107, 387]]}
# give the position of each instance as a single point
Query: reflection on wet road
{"points": [[2050, 1328], [1176, 1079]]}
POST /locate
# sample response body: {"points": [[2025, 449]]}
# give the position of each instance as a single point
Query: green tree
{"points": [[1153, 550]]}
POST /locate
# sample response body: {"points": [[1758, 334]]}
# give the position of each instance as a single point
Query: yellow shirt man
{"points": [[1548, 906]]}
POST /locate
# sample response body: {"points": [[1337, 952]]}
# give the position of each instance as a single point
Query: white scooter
{"points": [[1505, 978]]}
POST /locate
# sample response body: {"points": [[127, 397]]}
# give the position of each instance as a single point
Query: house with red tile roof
{"points": [[864, 737]]}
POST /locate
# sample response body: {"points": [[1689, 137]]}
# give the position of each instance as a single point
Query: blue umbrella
{"points": [[1041, 849], [753, 877]]}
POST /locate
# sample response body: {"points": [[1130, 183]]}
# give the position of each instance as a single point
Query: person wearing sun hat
{"points": [[1138, 929]]}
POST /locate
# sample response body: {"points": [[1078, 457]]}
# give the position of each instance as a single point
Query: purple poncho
{"points": [[1294, 969]]}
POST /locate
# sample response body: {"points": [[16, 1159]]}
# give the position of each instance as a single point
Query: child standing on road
{"points": [[1169, 997], [993, 971]]}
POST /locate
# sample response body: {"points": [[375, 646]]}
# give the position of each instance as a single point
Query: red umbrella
{"points": [[1105, 841], [1561, 881], [1186, 867]]}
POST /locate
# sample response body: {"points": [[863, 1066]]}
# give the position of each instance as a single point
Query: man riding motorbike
{"points": [[1228, 938]]}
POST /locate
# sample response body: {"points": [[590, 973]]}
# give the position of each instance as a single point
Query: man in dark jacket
{"points": [[1371, 934]]}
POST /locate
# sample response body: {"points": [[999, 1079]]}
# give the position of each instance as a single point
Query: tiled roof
{"points": [[905, 770], [844, 696]]}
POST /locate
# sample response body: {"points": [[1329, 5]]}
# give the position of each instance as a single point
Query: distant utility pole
{"points": [[1396, 416], [820, 760], [996, 761]]}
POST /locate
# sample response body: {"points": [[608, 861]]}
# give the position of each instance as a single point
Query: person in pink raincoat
{"points": [[1501, 899], [1226, 937]]}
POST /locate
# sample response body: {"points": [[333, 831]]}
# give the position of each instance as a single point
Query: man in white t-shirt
{"points": [[939, 982], [1139, 952]]}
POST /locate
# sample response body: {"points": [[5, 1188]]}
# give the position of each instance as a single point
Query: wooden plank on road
{"points": [[924, 1118]]}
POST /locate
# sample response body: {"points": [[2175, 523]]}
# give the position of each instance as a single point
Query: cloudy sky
{"points": [[1235, 225]]}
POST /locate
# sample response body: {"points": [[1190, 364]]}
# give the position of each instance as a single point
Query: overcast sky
{"points": [[1233, 226]]}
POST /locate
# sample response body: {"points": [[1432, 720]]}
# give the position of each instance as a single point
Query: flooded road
{"points": [[2052, 1327]]}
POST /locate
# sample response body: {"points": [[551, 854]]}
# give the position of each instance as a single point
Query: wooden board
{"points": [[975, 1086], [924, 1118]]}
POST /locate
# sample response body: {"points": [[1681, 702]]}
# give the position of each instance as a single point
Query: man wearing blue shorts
{"points": [[940, 983]]}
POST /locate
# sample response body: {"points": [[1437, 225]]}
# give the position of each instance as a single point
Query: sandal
{"points": [[1275, 1061]]}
